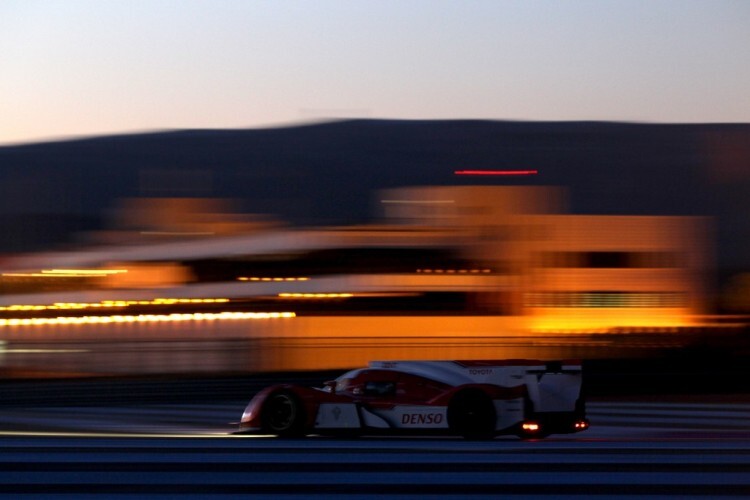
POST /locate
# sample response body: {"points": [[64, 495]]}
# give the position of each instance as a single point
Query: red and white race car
{"points": [[474, 399]]}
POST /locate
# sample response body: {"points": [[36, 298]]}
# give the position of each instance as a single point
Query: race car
{"points": [[473, 399]]}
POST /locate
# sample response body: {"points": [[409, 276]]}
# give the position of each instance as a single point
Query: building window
{"points": [[606, 260], [606, 299]]}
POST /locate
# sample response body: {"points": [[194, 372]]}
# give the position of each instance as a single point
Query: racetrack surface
{"points": [[633, 449], [407, 468]]}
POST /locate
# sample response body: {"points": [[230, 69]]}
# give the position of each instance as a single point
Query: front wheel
{"points": [[471, 414], [283, 415]]}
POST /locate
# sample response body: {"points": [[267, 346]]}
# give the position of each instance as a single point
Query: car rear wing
{"points": [[506, 373]]}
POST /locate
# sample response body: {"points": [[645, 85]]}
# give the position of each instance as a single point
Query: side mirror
{"points": [[330, 386]]}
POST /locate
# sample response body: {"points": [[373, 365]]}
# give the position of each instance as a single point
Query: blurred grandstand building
{"points": [[446, 272]]}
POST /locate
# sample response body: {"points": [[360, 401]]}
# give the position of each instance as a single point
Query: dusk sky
{"points": [[89, 67]]}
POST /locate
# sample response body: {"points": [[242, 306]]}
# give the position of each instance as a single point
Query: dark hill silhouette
{"points": [[326, 173]]}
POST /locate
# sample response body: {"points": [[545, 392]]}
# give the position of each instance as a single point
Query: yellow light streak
{"points": [[454, 271], [91, 272], [155, 434], [109, 304], [269, 278], [315, 295], [68, 273], [50, 275], [144, 318]]}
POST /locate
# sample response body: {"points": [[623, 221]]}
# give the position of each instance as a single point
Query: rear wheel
{"points": [[283, 415], [471, 414]]}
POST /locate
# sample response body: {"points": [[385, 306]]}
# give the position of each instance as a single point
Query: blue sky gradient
{"points": [[86, 67]]}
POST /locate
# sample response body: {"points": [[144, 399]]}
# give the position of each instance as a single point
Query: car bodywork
{"points": [[474, 399]]}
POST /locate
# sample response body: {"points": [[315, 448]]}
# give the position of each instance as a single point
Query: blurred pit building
{"points": [[184, 285]]}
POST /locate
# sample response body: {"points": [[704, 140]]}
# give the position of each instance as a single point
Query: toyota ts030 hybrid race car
{"points": [[474, 399]]}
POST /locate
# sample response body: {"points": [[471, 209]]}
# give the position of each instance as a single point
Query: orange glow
{"points": [[530, 426], [604, 320]]}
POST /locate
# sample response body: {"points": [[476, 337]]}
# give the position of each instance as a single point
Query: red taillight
{"points": [[581, 425], [531, 427]]}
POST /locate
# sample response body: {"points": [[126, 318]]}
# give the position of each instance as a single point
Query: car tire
{"points": [[471, 414], [283, 415]]}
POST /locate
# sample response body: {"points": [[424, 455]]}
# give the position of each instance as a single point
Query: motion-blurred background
{"points": [[328, 245], [500, 180]]}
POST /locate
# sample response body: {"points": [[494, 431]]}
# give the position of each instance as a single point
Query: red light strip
{"points": [[496, 172]]}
